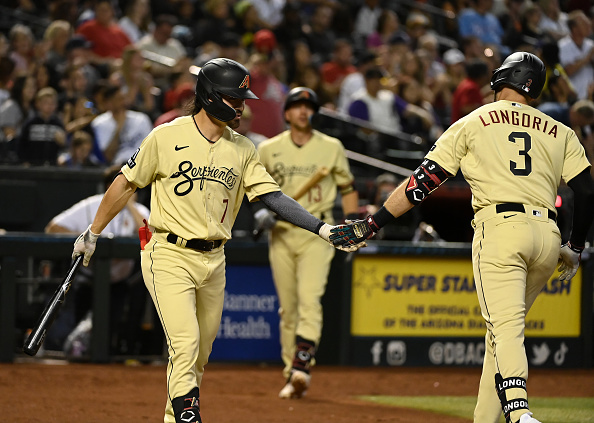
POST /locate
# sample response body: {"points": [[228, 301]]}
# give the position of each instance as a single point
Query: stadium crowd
{"points": [[83, 82]]}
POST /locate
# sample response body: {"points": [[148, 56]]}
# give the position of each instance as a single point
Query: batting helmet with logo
{"points": [[522, 71], [302, 94], [222, 76]]}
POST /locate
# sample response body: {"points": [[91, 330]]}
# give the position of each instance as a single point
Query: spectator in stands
{"points": [[245, 127], [429, 129], [126, 289], [453, 59], [265, 43], [298, 61], [472, 47], [468, 95], [355, 81], [390, 57], [367, 20], [166, 48], [136, 83], [396, 230], [213, 25], [553, 21], [78, 55], [269, 12], [311, 77], [290, 30], [247, 22], [73, 85], [576, 52], [382, 107], [577, 116], [531, 31], [319, 35], [79, 152], [387, 25], [7, 66], [413, 67], [119, 131], [45, 76], [477, 20], [13, 113], [56, 36], [22, 43], [268, 110], [78, 114], [550, 58], [510, 19], [137, 22], [182, 94], [43, 135], [107, 38], [416, 26], [341, 65]]}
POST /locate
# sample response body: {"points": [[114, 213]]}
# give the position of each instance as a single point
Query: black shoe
{"points": [[187, 408]]}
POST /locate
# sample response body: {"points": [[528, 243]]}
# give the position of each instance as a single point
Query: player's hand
{"points": [[354, 232], [264, 219], [326, 232], [570, 257], [85, 244]]}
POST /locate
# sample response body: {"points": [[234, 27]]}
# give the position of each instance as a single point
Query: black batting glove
{"points": [[354, 232]]}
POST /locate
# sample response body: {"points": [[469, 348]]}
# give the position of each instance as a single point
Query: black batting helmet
{"points": [[302, 94], [222, 76], [522, 71]]}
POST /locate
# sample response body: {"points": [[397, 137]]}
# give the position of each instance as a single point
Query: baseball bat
{"points": [[320, 174], [50, 312]]}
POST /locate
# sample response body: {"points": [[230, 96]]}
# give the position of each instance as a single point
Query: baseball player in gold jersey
{"points": [[513, 156], [300, 262], [199, 170]]}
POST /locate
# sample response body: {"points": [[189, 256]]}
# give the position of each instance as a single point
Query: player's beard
{"points": [[234, 124]]}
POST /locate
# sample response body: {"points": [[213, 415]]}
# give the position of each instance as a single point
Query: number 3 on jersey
{"points": [[513, 166]]}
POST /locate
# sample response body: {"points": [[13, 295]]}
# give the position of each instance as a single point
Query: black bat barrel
{"points": [[37, 335]]}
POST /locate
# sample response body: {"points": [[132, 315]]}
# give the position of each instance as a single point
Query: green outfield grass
{"points": [[547, 410]]}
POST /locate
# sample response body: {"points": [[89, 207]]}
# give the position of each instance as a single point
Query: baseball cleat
{"points": [[287, 392], [297, 385], [527, 418]]}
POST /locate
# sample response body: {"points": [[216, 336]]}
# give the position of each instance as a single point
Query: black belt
{"points": [[195, 244], [507, 207]]}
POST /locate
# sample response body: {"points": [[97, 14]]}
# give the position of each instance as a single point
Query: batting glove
{"points": [[354, 232], [85, 244], [326, 232], [264, 219], [570, 256]]}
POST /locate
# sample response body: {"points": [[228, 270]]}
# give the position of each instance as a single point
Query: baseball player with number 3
{"points": [[199, 170], [513, 156], [303, 157]]}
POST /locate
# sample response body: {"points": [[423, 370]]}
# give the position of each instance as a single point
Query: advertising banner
{"points": [[249, 328], [407, 351], [404, 296]]}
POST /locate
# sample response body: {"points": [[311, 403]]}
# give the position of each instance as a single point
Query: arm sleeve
{"points": [[583, 204], [291, 211]]}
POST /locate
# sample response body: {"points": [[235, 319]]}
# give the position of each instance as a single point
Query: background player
{"points": [[199, 170], [300, 262], [513, 157]]}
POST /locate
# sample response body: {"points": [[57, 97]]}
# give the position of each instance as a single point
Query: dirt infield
{"points": [[114, 393]]}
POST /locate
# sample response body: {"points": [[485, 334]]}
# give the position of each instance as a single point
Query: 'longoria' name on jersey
{"points": [[189, 174]]}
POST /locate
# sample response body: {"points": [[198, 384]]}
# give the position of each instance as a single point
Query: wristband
{"points": [[380, 219], [575, 249]]}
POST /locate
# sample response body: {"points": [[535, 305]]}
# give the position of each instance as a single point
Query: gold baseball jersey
{"points": [[292, 166], [198, 185], [506, 152]]}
